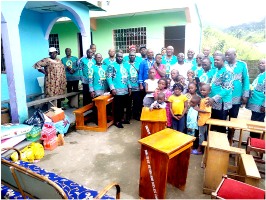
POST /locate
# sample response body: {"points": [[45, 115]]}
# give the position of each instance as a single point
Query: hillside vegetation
{"points": [[241, 37]]}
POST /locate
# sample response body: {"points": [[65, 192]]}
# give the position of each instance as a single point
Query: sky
{"points": [[217, 13], [226, 13]]}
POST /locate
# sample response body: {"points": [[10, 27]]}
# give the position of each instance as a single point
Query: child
{"points": [[150, 86], [162, 87], [190, 76], [159, 103], [168, 83], [174, 76], [204, 115], [181, 79], [178, 107], [191, 91], [192, 115]]}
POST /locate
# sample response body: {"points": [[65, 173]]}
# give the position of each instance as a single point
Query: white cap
{"points": [[52, 49]]}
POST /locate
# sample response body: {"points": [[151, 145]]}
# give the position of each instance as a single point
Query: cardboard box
{"points": [[55, 114]]}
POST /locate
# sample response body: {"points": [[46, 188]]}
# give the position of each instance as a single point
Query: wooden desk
{"points": [[230, 124], [217, 159], [155, 120], [251, 126], [100, 102], [164, 158]]}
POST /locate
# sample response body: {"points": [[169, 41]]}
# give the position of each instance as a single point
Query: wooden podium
{"points": [[100, 102], [155, 120], [164, 158], [217, 160]]}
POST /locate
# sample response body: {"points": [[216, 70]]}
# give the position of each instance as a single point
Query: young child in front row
{"points": [[178, 107], [192, 115], [159, 103], [204, 115], [162, 87], [150, 87]]}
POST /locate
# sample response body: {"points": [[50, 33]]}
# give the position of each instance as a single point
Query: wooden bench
{"points": [[100, 103], [30, 97], [23, 179], [74, 100], [249, 169]]}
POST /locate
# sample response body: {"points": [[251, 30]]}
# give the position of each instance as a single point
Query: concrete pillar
{"points": [[14, 71]]}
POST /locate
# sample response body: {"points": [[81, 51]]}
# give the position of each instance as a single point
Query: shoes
{"points": [[195, 152], [119, 125], [125, 122]]}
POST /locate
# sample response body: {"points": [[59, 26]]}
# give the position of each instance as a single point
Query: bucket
{"points": [[5, 116]]}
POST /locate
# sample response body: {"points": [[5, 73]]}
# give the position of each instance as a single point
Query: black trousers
{"points": [[119, 105], [219, 114], [255, 116], [72, 86], [133, 105], [86, 94], [233, 113]]}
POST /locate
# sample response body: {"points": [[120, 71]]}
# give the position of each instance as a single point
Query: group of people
{"points": [[191, 89]]}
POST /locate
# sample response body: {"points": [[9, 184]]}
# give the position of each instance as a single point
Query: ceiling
{"points": [[53, 6]]}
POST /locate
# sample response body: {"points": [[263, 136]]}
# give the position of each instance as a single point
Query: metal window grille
{"points": [[54, 42], [123, 38]]}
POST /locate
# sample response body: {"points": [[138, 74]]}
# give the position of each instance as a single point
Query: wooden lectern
{"points": [[217, 160], [155, 120], [164, 158], [100, 102]]}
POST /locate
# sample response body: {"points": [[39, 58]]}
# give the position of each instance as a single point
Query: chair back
{"points": [[29, 183]]}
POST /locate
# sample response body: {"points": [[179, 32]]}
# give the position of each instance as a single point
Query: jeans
{"points": [[203, 134], [178, 125]]}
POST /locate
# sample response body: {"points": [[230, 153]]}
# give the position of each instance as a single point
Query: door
{"points": [[175, 36]]}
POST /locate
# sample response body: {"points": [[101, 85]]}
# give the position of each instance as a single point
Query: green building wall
{"points": [[154, 23], [68, 37]]}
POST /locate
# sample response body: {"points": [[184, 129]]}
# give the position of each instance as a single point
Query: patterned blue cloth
{"points": [[72, 189]]}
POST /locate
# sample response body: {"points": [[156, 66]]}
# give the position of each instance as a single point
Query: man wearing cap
{"points": [[132, 48], [143, 52], [55, 76]]}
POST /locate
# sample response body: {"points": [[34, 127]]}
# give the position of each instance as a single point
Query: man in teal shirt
{"points": [[111, 59], [118, 82], [85, 66], [220, 97], [169, 60], [132, 67], [97, 77], [240, 92], [72, 72]]}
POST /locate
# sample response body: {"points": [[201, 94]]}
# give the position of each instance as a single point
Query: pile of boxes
{"points": [[48, 135]]}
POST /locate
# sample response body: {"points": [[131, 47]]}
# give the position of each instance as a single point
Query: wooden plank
{"points": [[218, 141], [204, 143], [237, 150], [250, 167], [167, 141], [155, 115], [84, 108], [48, 99]]}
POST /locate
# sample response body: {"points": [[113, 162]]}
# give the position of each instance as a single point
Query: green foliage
{"points": [[218, 40]]}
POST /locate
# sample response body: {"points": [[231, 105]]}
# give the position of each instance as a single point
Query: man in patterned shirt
{"points": [[220, 97], [240, 92], [118, 80]]}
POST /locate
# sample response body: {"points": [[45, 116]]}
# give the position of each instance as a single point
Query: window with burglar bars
{"points": [[54, 42], [123, 38]]}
